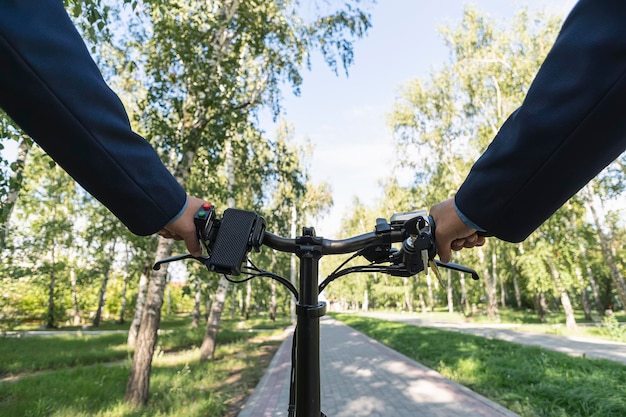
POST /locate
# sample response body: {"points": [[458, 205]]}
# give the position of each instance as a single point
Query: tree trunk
{"points": [[101, 299], [431, 298], [540, 306], [595, 288], [293, 264], [139, 381], [124, 294], [15, 184], [248, 300], [518, 292], [450, 292], [570, 320], [234, 303], [616, 275], [213, 323], [365, 304], [103, 287], [584, 297], [133, 331], [215, 316], [273, 290], [408, 301], [273, 300], [497, 279], [207, 307], [465, 305], [51, 286], [422, 303], [124, 300], [502, 291], [490, 287], [50, 314], [50, 322], [75, 308], [196, 304], [168, 292]]}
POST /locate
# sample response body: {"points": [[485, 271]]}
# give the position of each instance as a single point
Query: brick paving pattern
{"points": [[361, 377]]}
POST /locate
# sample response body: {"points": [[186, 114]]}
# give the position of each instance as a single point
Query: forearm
{"points": [[570, 126], [52, 89]]}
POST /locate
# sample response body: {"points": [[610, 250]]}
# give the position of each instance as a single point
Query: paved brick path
{"points": [[361, 377]]}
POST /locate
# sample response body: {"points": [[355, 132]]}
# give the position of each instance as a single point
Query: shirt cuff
{"points": [[467, 221], [182, 210]]}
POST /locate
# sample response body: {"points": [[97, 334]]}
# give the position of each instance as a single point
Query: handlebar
{"points": [[328, 246], [229, 240]]}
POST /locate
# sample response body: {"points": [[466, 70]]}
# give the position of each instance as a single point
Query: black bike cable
{"points": [[260, 274], [292, 378]]}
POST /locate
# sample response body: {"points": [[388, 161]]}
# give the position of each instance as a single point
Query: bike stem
{"points": [[308, 310]]}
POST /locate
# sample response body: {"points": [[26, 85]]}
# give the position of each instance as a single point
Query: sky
{"points": [[344, 117]]}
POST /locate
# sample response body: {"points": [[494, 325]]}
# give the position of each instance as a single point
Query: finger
{"points": [[444, 252], [473, 241], [458, 244], [165, 233], [193, 246]]}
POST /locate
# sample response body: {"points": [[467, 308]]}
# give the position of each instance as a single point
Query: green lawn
{"points": [[86, 375], [530, 381]]}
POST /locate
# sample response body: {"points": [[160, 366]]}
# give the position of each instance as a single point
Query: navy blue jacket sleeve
{"points": [[53, 90], [570, 126]]}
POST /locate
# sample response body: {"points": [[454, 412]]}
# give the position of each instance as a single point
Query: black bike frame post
{"points": [[309, 310]]}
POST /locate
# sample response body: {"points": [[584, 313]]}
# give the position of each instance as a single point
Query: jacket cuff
{"points": [[180, 213], [466, 220]]}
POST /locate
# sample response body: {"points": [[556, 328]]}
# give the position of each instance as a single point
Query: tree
{"points": [[206, 71], [13, 180], [446, 121], [47, 210], [616, 276], [103, 236], [142, 289]]}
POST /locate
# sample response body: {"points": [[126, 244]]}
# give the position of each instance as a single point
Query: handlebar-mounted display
{"points": [[228, 240]]}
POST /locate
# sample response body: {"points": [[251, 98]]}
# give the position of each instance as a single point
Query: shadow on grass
{"points": [[528, 380], [30, 354], [180, 385]]}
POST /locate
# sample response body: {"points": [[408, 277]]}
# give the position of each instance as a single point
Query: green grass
{"points": [[86, 375], [530, 381], [29, 354]]}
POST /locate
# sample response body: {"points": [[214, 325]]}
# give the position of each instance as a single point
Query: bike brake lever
{"points": [[459, 268], [202, 259]]}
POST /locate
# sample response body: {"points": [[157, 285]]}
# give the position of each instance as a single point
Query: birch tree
{"points": [[207, 68]]}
